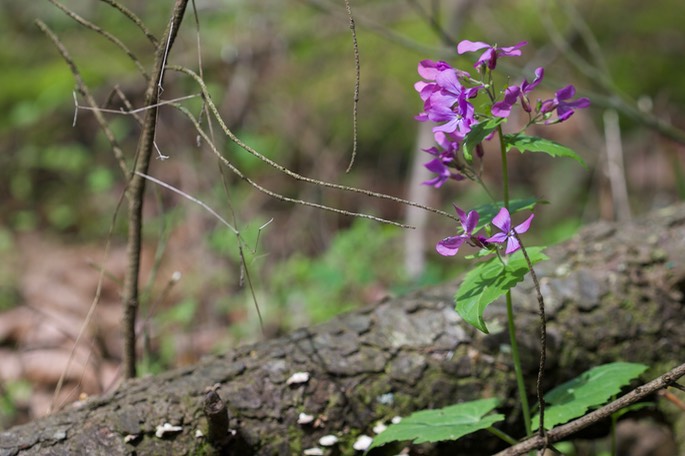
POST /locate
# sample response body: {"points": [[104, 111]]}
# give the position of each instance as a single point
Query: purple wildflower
{"points": [[457, 119], [450, 245], [503, 221], [561, 103], [491, 54], [503, 108], [445, 99], [440, 168], [513, 93], [429, 69]]}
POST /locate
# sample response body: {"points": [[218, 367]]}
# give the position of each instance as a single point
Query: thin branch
{"points": [[191, 198], [266, 191], [143, 109], [133, 18], [136, 190], [357, 71], [83, 89], [117, 42], [543, 340], [127, 104], [561, 432], [294, 175]]}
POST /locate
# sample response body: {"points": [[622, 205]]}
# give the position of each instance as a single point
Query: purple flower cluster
{"points": [[446, 102], [450, 245], [562, 101]]}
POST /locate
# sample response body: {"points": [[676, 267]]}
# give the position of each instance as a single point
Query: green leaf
{"points": [[487, 212], [534, 144], [589, 390], [449, 423], [478, 133], [490, 280]]}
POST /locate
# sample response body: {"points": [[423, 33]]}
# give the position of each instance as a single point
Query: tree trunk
{"points": [[613, 292]]}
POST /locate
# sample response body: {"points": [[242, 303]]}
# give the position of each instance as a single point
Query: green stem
{"points": [[525, 408], [501, 435], [505, 170], [614, 419]]}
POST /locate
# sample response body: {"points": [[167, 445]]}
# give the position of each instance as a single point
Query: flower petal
{"points": [[567, 92], [450, 245], [523, 227], [502, 220], [512, 245], [514, 50], [470, 46], [497, 238], [471, 222]]}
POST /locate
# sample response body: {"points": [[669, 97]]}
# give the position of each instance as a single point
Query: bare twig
{"points": [[294, 175], [83, 89], [266, 191], [191, 198], [136, 190], [357, 71], [105, 33], [130, 110], [543, 341], [133, 18], [561, 432]]}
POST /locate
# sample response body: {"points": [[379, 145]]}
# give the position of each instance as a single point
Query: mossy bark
{"points": [[613, 292]]}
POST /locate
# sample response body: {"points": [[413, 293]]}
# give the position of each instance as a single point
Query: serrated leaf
{"points": [[526, 143], [448, 423], [487, 212], [490, 280], [589, 390], [478, 133]]}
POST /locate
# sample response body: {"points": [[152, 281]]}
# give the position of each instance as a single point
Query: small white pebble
{"points": [[315, 451], [305, 419], [379, 427], [198, 434], [298, 377], [396, 419], [328, 440], [386, 399], [165, 428], [363, 443]]}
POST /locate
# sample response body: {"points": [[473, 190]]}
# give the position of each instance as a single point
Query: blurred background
{"points": [[282, 73]]}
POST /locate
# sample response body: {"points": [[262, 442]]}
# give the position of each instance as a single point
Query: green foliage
{"points": [[490, 280], [525, 143], [478, 133], [12, 393], [9, 293], [363, 256], [449, 423], [181, 313], [587, 391]]}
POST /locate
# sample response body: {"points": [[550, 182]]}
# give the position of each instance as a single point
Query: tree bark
{"points": [[612, 292]]}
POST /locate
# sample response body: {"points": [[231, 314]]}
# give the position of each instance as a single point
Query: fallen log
{"points": [[613, 292]]}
